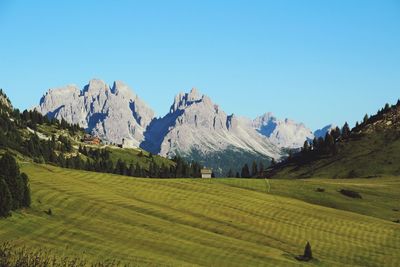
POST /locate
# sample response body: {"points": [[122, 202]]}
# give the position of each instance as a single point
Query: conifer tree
{"points": [[365, 120], [336, 133], [254, 169], [321, 144], [329, 142], [138, 170], [9, 170], [261, 169], [315, 143], [131, 171], [26, 198], [245, 171], [346, 131], [306, 147], [308, 252], [5, 199]]}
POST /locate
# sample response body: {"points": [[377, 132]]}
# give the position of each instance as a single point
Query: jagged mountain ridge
{"points": [[193, 126], [284, 133], [195, 122], [112, 113], [323, 131]]}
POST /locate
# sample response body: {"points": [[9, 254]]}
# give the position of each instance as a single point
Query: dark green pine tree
{"points": [[315, 143], [26, 198], [329, 142], [336, 133], [9, 170], [245, 171], [120, 168], [321, 144], [308, 252], [254, 169], [346, 131], [5, 199], [230, 174], [261, 169], [131, 171], [366, 118], [138, 170], [306, 147]]}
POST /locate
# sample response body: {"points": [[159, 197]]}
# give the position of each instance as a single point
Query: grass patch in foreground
{"points": [[190, 222]]}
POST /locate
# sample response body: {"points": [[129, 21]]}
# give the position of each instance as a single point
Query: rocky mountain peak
{"points": [[183, 100], [323, 131], [122, 89], [112, 113], [95, 87], [284, 133]]}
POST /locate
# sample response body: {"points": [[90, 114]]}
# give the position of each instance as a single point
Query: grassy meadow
{"points": [[194, 222]]}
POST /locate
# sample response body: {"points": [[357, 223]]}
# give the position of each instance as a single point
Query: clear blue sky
{"points": [[314, 61]]}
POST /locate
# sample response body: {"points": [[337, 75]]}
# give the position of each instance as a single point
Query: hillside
{"points": [[195, 127], [371, 149], [37, 138], [189, 222]]}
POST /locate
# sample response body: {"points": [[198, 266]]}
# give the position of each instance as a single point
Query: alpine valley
{"points": [[195, 127]]}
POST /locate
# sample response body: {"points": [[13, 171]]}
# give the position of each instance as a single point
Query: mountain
{"points": [[112, 113], [283, 133], [5, 101], [323, 131], [197, 128], [368, 150]]}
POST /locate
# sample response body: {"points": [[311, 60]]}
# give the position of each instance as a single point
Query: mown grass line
{"points": [[191, 222]]}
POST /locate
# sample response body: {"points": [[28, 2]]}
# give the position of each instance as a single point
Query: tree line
{"points": [[14, 186], [255, 171], [322, 146], [330, 144], [59, 150], [99, 160]]}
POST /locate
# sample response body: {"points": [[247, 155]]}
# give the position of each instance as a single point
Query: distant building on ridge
{"points": [[127, 143], [91, 140]]}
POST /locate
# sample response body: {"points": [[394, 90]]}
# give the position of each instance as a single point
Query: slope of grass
{"points": [[380, 196], [367, 155], [140, 156], [191, 223]]}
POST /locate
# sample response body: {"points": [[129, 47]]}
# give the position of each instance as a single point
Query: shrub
{"points": [[49, 212], [307, 256], [350, 193]]}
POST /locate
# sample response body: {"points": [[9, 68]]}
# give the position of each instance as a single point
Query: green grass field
{"points": [[194, 222], [132, 156], [368, 155]]}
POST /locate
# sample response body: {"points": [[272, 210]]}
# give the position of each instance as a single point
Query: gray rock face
{"points": [[196, 123], [283, 133], [112, 113], [323, 131]]}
